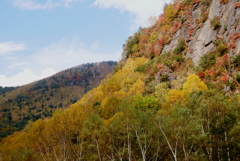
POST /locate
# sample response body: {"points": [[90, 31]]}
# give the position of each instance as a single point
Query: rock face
{"points": [[198, 30], [201, 41]]}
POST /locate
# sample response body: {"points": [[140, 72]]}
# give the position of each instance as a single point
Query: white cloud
{"points": [[54, 58], [25, 77], [17, 64], [65, 54], [6, 47], [142, 9], [33, 5]]}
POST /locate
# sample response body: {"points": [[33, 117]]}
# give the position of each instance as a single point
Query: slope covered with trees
{"points": [[41, 98], [173, 96]]}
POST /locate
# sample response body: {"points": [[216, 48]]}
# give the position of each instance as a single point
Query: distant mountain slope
{"points": [[41, 98]]}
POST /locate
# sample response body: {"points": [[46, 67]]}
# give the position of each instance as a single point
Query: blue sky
{"points": [[41, 37]]}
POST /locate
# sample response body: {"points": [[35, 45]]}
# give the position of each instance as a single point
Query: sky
{"points": [[39, 38]]}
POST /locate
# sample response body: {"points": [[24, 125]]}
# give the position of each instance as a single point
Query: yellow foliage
{"points": [[137, 87], [15, 140], [194, 83], [113, 118], [161, 91], [92, 96], [174, 95], [132, 64], [152, 20]]}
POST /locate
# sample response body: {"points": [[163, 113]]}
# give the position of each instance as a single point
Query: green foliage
{"points": [[144, 67], [164, 78], [236, 61], [237, 77], [204, 7], [206, 2], [187, 2], [215, 23], [222, 47], [225, 27], [208, 60], [144, 103], [132, 42], [41, 98], [180, 47], [3, 90], [179, 58], [126, 119], [231, 84]]}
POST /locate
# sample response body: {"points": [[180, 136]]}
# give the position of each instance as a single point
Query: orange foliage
{"points": [[237, 5], [234, 37]]}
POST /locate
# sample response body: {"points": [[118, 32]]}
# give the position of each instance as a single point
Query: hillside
{"points": [[173, 96], [41, 98]]}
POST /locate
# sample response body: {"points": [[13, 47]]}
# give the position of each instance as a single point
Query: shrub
{"points": [[207, 60], [164, 78], [224, 1], [215, 23], [222, 47], [179, 58], [237, 5], [180, 47], [225, 27], [237, 77], [168, 63], [132, 40], [234, 37], [187, 2], [206, 2], [169, 10], [231, 84], [144, 67], [236, 61]]}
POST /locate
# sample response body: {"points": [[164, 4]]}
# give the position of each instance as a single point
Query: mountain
{"points": [[41, 98], [173, 96]]}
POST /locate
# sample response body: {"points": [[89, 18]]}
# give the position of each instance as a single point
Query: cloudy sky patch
{"points": [[41, 37]]}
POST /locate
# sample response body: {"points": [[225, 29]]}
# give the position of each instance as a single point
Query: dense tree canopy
{"points": [[156, 106]]}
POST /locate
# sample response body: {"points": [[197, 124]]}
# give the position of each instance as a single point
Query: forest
{"points": [[169, 98], [20, 105]]}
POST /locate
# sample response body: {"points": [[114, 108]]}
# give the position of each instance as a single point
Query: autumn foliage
{"points": [[155, 106]]}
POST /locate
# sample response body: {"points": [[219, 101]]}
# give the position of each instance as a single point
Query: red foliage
{"points": [[176, 26], [212, 73], [226, 57], [231, 45], [190, 50], [161, 41], [237, 5], [234, 37], [159, 66], [182, 6], [156, 50], [147, 31], [162, 17], [224, 1], [223, 61], [223, 78], [148, 70], [201, 75]]}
